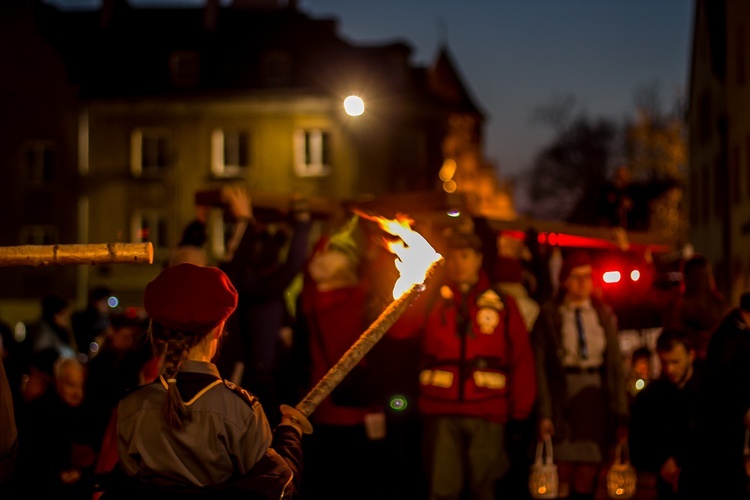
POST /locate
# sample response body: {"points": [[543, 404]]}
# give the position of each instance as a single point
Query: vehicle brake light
{"points": [[611, 277], [635, 275]]}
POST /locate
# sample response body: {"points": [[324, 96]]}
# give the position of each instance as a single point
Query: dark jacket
{"points": [[721, 469], [664, 424], [552, 389]]}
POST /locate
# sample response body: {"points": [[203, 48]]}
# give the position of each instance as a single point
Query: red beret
{"points": [[190, 298], [576, 259]]}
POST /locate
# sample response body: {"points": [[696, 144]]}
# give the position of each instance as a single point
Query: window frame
{"points": [[38, 234], [219, 165], [158, 219], [40, 170], [137, 139], [312, 147]]}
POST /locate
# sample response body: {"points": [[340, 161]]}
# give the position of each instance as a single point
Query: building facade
{"points": [[719, 141], [159, 104]]}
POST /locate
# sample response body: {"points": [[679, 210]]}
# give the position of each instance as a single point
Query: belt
{"points": [[583, 369]]}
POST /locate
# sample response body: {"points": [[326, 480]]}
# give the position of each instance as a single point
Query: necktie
{"points": [[583, 351]]}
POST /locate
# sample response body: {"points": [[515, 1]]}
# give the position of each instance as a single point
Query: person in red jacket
{"points": [[477, 373]]}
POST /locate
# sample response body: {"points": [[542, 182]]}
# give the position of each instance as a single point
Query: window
{"points": [[222, 235], [312, 152], [149, 152], [184, 69], [39, 159], [38, 235], [150, 225], [230, 152]]}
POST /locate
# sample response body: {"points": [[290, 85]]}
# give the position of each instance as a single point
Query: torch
{"points": [[416, 261], [97, 253]]}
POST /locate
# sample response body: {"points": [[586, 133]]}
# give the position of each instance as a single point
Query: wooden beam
{"points": [[90, 254]]}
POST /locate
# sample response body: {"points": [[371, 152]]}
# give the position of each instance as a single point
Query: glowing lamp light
{"points": [[611, 277], [398, 403], [542, 490], [449, 186], [635, 275], [448, 170], [112, 302], [454, 213], [354, 105], [640, 384]]}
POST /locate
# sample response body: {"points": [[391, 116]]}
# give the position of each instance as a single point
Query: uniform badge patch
{"points": [[242, 393], [487, 319], [490, 299]]}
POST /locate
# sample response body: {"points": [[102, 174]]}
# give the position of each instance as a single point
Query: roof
{"points": [[446, 83]]}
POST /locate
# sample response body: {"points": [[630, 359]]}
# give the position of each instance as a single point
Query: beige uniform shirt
{"points": [[225, 436]]}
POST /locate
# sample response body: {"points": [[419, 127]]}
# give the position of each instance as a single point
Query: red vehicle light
{"points": [[635, 275], [611, 277]]}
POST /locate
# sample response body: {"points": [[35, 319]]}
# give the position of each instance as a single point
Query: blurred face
{"points": [[579, 284], [329, 266], [677, 364], [70, 385], [123, 339], [102, 306], [462, 266], [641, 368]]}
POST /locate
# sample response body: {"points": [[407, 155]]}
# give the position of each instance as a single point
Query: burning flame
{"points": [[414, 255]]}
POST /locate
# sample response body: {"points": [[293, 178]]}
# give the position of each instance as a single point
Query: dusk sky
{"points": [[517, 55]]}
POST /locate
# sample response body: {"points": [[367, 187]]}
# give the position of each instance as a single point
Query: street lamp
{"points": [[354, 105]]}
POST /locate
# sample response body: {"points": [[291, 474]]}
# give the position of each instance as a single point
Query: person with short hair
{"points": [[477, 373], [700, 306], [190, 432], [664, 415], [55, 455], [582, 402], [53, 330], [725, 424]]}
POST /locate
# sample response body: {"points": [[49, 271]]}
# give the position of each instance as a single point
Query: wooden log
{"points": [[89, 254]]}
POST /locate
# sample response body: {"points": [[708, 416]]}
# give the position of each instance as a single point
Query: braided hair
{"points": [[174, 345]]}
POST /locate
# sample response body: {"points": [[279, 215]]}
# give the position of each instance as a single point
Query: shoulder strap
{"points": [[242, 393]]}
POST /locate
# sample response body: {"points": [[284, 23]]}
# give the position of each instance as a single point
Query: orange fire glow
{"points": [[414, 255]]}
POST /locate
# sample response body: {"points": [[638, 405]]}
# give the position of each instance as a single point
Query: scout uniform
{"points": [[224, 447]]}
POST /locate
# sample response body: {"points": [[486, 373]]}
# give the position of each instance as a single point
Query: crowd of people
{"points": [[193, 394]]}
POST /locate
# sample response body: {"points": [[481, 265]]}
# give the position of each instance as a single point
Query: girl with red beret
{"points": [[191, 434]]}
